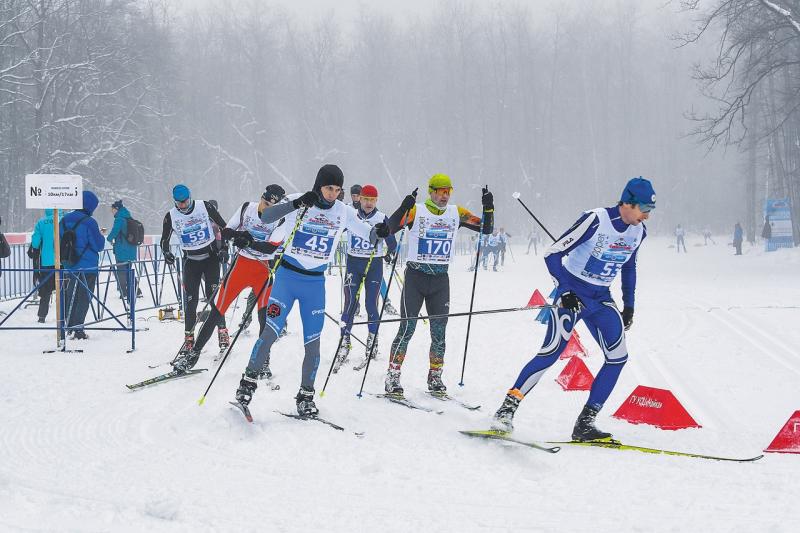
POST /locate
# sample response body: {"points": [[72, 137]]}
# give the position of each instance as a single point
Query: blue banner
{"points": [[778, 214]]}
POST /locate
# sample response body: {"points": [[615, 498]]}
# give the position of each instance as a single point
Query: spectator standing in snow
{"points": [[124, 251], [42, 245], [533, 239], [738, 234], [679, 234], [81, 274]]}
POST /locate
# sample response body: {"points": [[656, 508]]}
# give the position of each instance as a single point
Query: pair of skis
{"points": [[245, 410], [400, 399], [611, 444]]}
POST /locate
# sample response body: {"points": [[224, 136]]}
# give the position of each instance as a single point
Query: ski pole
{"points": [[516, 196], [452, 315], [383, 305], [351, 309], [333, 319], [472, 298], [202, 400]]}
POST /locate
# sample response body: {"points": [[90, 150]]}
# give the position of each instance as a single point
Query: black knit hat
{"points": [[355, 189], [274, 193], [328, 175]]}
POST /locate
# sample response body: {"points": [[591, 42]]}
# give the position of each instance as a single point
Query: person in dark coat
{"points": [[738, 234], [81, 275]]}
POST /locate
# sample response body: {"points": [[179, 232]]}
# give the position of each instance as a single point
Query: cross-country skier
{"points": [[301, 276], [584, 262], [358, 254], [192, 221], [257, 241], [433, 225]]}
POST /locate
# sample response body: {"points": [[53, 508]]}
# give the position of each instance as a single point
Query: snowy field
{"points": [[79, 452]]}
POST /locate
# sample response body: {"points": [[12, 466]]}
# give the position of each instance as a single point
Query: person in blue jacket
{"points": [[124, 252], [584, 262], [42, 240], [82, 273]]}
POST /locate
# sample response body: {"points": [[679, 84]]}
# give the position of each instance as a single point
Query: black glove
{"points": [[409, 201], [169, 258], [570, 300], [627, 317], [31, 252], [487, 199], [308, 199], [382, 230], [227, 233], [388, 257], [242, 239], [223, 255]]}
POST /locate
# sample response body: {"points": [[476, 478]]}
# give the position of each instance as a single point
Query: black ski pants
{"points": [[194, 271]]}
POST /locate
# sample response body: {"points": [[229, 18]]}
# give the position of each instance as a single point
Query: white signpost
{"points": [[54, 191]]}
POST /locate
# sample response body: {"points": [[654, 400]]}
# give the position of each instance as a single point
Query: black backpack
{"points": [[69, 244], [134, 232]]}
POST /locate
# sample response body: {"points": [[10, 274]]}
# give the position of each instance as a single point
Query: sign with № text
{"points": [[53, 191]]}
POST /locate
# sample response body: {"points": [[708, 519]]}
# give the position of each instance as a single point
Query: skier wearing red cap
{"points": [[359, 251]]}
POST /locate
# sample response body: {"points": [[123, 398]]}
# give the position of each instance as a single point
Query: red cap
{"points": [[369, 191]]}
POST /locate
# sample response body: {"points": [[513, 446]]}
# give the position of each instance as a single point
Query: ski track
{"points": [[81, 453]]}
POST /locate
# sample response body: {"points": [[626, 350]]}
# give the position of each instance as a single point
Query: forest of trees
{"points": [[563, 104]]}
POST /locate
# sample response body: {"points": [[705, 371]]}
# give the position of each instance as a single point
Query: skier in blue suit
{"points": [[584, 262]]}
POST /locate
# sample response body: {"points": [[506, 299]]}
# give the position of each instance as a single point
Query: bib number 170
{"points": [[435, 246]]}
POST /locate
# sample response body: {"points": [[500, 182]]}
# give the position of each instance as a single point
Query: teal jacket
{"points": [[123, 250], [42, 238]]}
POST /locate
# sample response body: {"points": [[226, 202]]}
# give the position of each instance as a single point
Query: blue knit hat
{"points": [[639, 191], [180, 193]]}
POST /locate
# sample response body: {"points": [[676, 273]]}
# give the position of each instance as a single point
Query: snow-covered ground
{"points": [[79, 452]]}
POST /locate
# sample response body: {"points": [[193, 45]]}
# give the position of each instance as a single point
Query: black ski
{"points": [[496, 434], [616, 445], [169, 376], [314, 418], [402, 400], [244, 409], [443, 396]]}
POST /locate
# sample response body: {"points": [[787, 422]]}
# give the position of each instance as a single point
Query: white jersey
{"points": [[493, 241], [431, 238], [249, 221], [360, 247], [598, 259], [194, 230], [316, 238]]}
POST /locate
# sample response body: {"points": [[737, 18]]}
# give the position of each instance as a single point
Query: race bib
{"points": [[313, 242], [195, 234]]}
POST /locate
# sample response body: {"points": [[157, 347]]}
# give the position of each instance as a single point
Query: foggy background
{"points": [[561, 101]]}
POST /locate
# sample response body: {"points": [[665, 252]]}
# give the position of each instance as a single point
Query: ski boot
{"points": [[187, 357], [247, 386], [435, 383], [284, 332], [79, 335], [344, 351], [265, 373], [504, 417], [224, 339], [372, 347], [305, 403], [390, 309], [585, 430], [392, 383]]}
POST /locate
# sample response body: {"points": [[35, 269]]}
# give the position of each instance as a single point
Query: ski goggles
{"points": [[646, 208]]}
